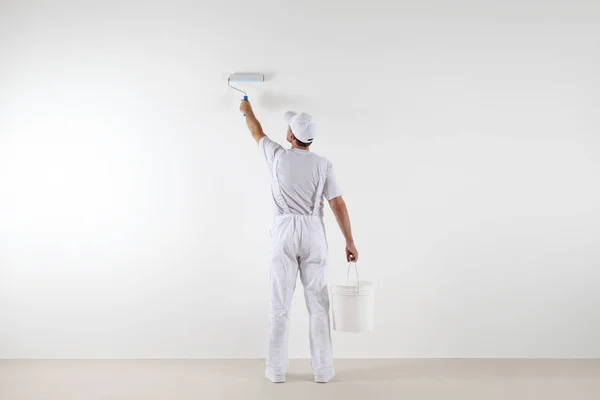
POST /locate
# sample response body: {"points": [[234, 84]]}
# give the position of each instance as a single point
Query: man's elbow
{"points": [[337, 203]]}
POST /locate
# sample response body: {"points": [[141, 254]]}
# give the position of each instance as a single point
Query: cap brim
{"points": [[288, 116]]}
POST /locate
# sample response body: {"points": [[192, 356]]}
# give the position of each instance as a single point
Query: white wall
{"points": [[134, 206]]}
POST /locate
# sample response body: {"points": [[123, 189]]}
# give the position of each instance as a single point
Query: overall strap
{"points": [[276, 187], [320, 187]]}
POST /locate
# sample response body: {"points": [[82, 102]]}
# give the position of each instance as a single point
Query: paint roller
{"points": [[244, 78]]}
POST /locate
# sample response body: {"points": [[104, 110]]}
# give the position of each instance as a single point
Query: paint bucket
{"points": [[353, 305]]}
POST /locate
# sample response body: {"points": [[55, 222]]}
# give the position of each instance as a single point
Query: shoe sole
{"points": [[275, 378], [323, 378]]}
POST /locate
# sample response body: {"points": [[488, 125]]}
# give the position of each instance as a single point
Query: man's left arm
{"points": [[251, 121]]}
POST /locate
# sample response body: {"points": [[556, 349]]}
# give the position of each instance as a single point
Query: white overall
{"points": [[298, 244]]}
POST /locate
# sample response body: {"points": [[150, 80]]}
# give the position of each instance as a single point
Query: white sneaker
{"points": [[275, 378], [324, 378]]}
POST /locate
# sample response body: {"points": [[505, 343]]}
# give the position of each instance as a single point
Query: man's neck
{"points": [[295, 146]]}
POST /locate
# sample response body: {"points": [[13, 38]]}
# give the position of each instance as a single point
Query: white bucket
{"points": [[353, 305]]}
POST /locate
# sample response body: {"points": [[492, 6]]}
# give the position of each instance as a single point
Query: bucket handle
{"points": [[348, 275]]}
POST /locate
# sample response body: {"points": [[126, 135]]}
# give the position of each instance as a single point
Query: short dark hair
{"points": [[301, 144]]}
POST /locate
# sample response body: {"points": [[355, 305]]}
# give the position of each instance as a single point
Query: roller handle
{"points": [[245, 99]]}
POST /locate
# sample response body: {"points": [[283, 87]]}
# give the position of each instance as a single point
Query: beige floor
{"points": [[356, 379]]}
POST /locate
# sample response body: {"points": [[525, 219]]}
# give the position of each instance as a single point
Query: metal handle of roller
{"points": [[245, 99]]}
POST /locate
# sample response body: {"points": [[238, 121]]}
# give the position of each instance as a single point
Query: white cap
{"points": [[302, 124]]}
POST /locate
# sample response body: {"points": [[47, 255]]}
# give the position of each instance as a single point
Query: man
{"points": [[300, 180]]}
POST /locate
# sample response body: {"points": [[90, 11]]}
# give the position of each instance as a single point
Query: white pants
{"points": [[298, 244]]}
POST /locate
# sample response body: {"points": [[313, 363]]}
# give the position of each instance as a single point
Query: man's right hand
{"points": [[245, 107], [351, 252]]}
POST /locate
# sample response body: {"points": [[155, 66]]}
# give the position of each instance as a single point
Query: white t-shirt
{"points": [[298, 174]]}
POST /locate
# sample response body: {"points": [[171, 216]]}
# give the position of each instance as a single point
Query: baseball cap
{"points": [[302, 124]]}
